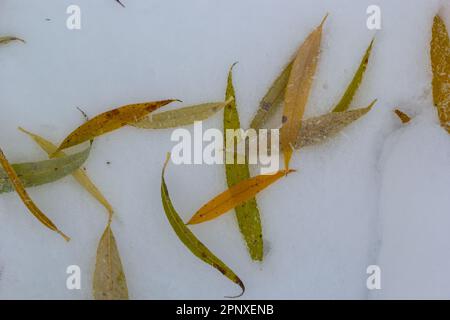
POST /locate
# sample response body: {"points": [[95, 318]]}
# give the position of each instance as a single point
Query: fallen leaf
{"points": [[79, 174], [110, 121], [180, 117], [272, 100], [440, 61], [235, 196], [7, 39], [298, 89], [109, 279], [20, 189], [402, 116], [247, 213], [190, 240], [319, 129], [353, 87], [38, 173]]}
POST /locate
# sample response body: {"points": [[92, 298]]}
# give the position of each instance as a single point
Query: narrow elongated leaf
{"points": [[404, 118], [247, 213], [37, 173], [79, 174], [109, 278], [20, 189], [180, 117], [298, 90], [8, 39], [110, 121], [272, 100], [190, 240], [440, 61], [318, 129], [235, 196], [353, 87]]}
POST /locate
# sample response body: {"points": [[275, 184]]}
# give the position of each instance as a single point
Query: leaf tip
{"points": [[63, 235], [324, 20], [240, 284]]}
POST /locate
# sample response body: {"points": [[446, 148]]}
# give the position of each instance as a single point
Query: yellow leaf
{"points": [[181, 117], [109, 279], [20, 189], [8, 39], [79, 174], [110, 121], [440, 61], [235, 196], [298, 89]]}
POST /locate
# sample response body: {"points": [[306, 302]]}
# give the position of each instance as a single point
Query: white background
{"points": [[376, 194]]}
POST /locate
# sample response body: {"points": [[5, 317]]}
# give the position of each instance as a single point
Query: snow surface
{"points": [[376, 194]]}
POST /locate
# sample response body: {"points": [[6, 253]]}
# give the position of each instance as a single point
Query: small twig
{"points": [[119, 2]]}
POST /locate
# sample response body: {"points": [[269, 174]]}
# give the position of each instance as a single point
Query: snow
{"points": [[376, 194]]}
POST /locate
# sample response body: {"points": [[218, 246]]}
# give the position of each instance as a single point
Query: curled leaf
{"points": [[404, 118], [180, 117], [298, 90], [109, 279], [353, 87], [79, 174], [8, 39], [272, 100], [190, 240], [37, 173], [440, 61], [247, 213], [110, 121], [235, 196], [20, 189]]}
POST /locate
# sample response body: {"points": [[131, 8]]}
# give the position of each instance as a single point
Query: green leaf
{"points": [[273, 99], [180, 117], [247, 214], [353, 87], [189, 239], [37, 173]]}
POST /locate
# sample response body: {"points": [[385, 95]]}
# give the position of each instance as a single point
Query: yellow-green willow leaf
{"points": [[353, 87], [109, 121], [80, 175], [404, 118], [189, 239], [180, 117], [272, 100], [440, 62], [37, 173], [319, 129], [298, 90], [23, 194], [109, 278], [7, 39], [247, 213]]}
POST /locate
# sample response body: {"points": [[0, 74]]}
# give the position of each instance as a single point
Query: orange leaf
{"points": [[235, 196], [298, 89], [110, 121]]}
